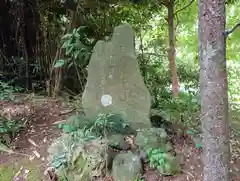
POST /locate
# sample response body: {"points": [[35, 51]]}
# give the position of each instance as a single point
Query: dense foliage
{"points": [[77, 31]]}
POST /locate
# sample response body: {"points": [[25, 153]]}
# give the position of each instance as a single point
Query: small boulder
{"points": [[152, 138], [126, 167]]}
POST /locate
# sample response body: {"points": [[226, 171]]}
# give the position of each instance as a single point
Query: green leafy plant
{"points": [[6, 90], [103, 125], [184, 110], [8, 128], [163, 161], [74, 48], [77, 53]]}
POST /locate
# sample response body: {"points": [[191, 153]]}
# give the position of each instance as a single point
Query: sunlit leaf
{"points": [[59, 63]]}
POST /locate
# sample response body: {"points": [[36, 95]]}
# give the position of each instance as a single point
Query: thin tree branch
{"points": [[186, 6], [177, 21], [227, 32], [154, 54]]}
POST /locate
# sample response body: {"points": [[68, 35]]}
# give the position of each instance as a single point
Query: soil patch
{"points": [[39, 131]]}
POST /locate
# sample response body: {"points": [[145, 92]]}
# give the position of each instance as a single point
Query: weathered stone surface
{"points": [[78, 155], [153, 138], [118, 141], [113, 71], [126, 167]]}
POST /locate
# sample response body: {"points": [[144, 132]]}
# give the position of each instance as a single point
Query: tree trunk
{"points": [[171, 50], [214, 89], [7, 44]]}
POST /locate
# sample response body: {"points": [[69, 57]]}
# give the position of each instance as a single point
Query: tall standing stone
{"points": [[114, 83]]}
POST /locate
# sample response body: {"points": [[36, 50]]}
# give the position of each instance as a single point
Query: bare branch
{"points": [[227, 32], [154, 54], [186, 6]]}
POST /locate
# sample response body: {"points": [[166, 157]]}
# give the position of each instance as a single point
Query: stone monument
{"points": [[114, 83]]}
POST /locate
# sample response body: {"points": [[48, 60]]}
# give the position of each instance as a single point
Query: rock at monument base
{"points": [[118, 141], [126, 167], [153, 138], [85, 159]]}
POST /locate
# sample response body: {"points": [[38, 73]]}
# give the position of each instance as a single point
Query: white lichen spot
{"points": [[106, 100], [209, 52]]}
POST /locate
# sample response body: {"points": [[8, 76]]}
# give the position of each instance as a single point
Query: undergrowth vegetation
{"points": [[83, 149], [8, 129], [8, 126], [162, 161], [6, 90], [69, 155]]}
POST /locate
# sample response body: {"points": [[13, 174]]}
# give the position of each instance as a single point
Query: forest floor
{"points": [[41, 114]]}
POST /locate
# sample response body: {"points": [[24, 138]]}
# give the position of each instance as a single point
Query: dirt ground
{"points": [[40, 114]]}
